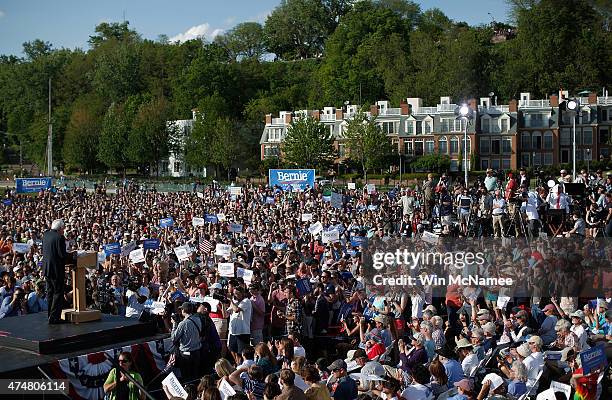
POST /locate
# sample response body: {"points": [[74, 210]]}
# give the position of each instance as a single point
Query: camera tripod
{"points": [[516, 223]]}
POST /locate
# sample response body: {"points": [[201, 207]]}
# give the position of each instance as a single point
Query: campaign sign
{"points": [[197, 221], [166, 222], [336, 200], [236, 228], [7, 202], [245, 274], [150, 244], [291, 179], [270, 200], [223, 250], [303, 286], [226, 270], [112, 248], [359, 241], [211, 218], [315, 228], [182, 252], [330, 236], [21, 248], [32, 185], [127, 249], [593, 359], [351, 185]]}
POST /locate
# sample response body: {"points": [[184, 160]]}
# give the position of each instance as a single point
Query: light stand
{"points": [[465, 113], [573, 107]]}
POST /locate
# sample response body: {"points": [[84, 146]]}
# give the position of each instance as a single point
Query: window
{"points": [[274, 134], [410, 127], [565, 156], [548, 158], [419, 127], [177, 166], [494, 125], [485, 125], [506, 163], [525, 159], [587, 136], [408, 149], [484, 164], [427, 127], [389, 127], [164, 167], [566, 137], [586, 117], [548, 140], [566, 118], [495, 163], [604, 135], [418, 148], [536, 120], [587, 155], [447, 124], [429, 147], [537, 159], [453, 165], [443, 145], [525, 141], [507, 145], [536, 140], [485, 145], [454, 145], [271, 151], [505, 122], [495, 146]]}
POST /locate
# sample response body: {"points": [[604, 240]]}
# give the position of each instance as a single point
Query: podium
{"points": [[80, 313]]}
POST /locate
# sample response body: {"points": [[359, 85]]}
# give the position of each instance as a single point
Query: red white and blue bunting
{"points": [[88, 372]]}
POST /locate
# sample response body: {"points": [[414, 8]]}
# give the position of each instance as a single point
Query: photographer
{"points": [[186, 336], [136, 295], [14, 305]]}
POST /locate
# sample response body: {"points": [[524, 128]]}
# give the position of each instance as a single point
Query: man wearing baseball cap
{"points": [[547, 329], [345, 388]]}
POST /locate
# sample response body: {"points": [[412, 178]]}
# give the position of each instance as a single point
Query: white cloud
{"points": [[203, 30], [2, 13]]}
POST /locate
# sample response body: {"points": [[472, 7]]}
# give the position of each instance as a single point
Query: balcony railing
{"points": [[278, 121], [500, 109], [534, 103], [446, 107], [427, 110], [391, 111], [604, 100], [328, 117]]}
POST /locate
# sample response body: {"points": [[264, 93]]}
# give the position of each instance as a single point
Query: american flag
{"points": [[205, 246]]}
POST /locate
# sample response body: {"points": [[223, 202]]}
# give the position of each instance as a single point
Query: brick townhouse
{"points": [[524, 132]]}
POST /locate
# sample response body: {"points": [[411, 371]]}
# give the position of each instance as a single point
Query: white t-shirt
{"points": [[582, 335], [417, 306], [299, 351], [469, 364], [534, 363], [240, 322], [416, 391], [133, 308]]}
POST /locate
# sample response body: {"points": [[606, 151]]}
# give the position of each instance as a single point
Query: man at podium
{"points": [[55, 258]]}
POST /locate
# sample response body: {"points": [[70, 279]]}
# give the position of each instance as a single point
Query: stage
{"points": [[28, 342]]}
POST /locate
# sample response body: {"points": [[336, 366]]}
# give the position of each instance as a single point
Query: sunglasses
{"points": [[123, 361]]}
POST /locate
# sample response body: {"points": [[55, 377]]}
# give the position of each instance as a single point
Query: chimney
{"points": [[554, 100], [592, 98], [339, 114], [268, 119], [288, 118], [405, 108], [473, 104], [513, 105], [316, 114], [374, 109]]}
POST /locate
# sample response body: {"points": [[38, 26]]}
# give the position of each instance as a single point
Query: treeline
{"points": [[110, 102]]}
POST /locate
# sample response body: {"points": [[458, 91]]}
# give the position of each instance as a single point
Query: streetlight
{"points": [[588, 159], [465, 113], [572, 107]]}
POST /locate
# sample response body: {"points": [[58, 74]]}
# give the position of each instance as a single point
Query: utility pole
{"points": [[50, 139]]}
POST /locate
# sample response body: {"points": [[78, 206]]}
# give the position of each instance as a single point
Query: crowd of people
{"points": [[275, 294]]}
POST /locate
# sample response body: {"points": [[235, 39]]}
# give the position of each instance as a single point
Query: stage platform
{"points": [[32, 332]]}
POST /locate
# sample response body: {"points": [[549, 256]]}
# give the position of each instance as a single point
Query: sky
{"points": [[69, 23]]}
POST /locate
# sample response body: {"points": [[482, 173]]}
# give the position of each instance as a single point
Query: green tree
{"points": [[114, 138], [308, 144], [366, 143], [82, 134], [116, 71], [432, 162], [37, 48], [225, 148], [120, 32], [151, 138], [244, 41], [298, 29]]}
